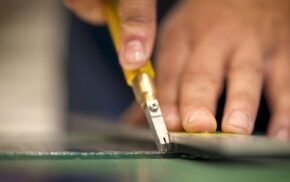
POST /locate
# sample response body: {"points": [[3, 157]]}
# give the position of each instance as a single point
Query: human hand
{"points": [[204, 42], [138, 26]]}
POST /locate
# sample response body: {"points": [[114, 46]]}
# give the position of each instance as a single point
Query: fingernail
{"points": [[196, 116], [282, 134], [134, 52], [239, 120]]}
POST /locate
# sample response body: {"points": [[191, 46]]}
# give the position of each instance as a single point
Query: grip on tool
{"points": [[114, 26]]}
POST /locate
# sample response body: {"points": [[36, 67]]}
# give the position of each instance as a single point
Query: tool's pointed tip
{"points": [[165, 146]]}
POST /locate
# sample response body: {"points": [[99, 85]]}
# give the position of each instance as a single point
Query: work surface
{"points": [[145, 170], [91, 155]]}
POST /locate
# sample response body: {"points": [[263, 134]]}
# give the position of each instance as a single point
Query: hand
{"points": [[204, 42], [138, 26]]}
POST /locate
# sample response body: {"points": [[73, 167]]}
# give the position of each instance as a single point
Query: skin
{"points": [[201, 44], [138, 26]]}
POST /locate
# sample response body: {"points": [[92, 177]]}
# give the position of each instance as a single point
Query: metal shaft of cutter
{"points": [[157, 125], [145, 94]]}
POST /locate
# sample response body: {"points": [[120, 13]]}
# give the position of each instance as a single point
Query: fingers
{"points": [[172, 54], [138, 26], [201, 84], [91, 11], [278, 88], [244, 85]]}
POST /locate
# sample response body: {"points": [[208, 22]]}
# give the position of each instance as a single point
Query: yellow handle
{"points": [[114, 27]]}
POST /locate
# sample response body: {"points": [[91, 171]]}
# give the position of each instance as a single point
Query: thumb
{"points": [[138, 26]]}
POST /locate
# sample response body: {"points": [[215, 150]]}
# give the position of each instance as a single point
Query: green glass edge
{"points": [[84, 155]]}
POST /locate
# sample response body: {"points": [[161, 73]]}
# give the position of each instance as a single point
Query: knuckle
{"points": [[137, 19], [203, 82], [244, 99], [251, 66], [137, 13], [166, 78]]}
